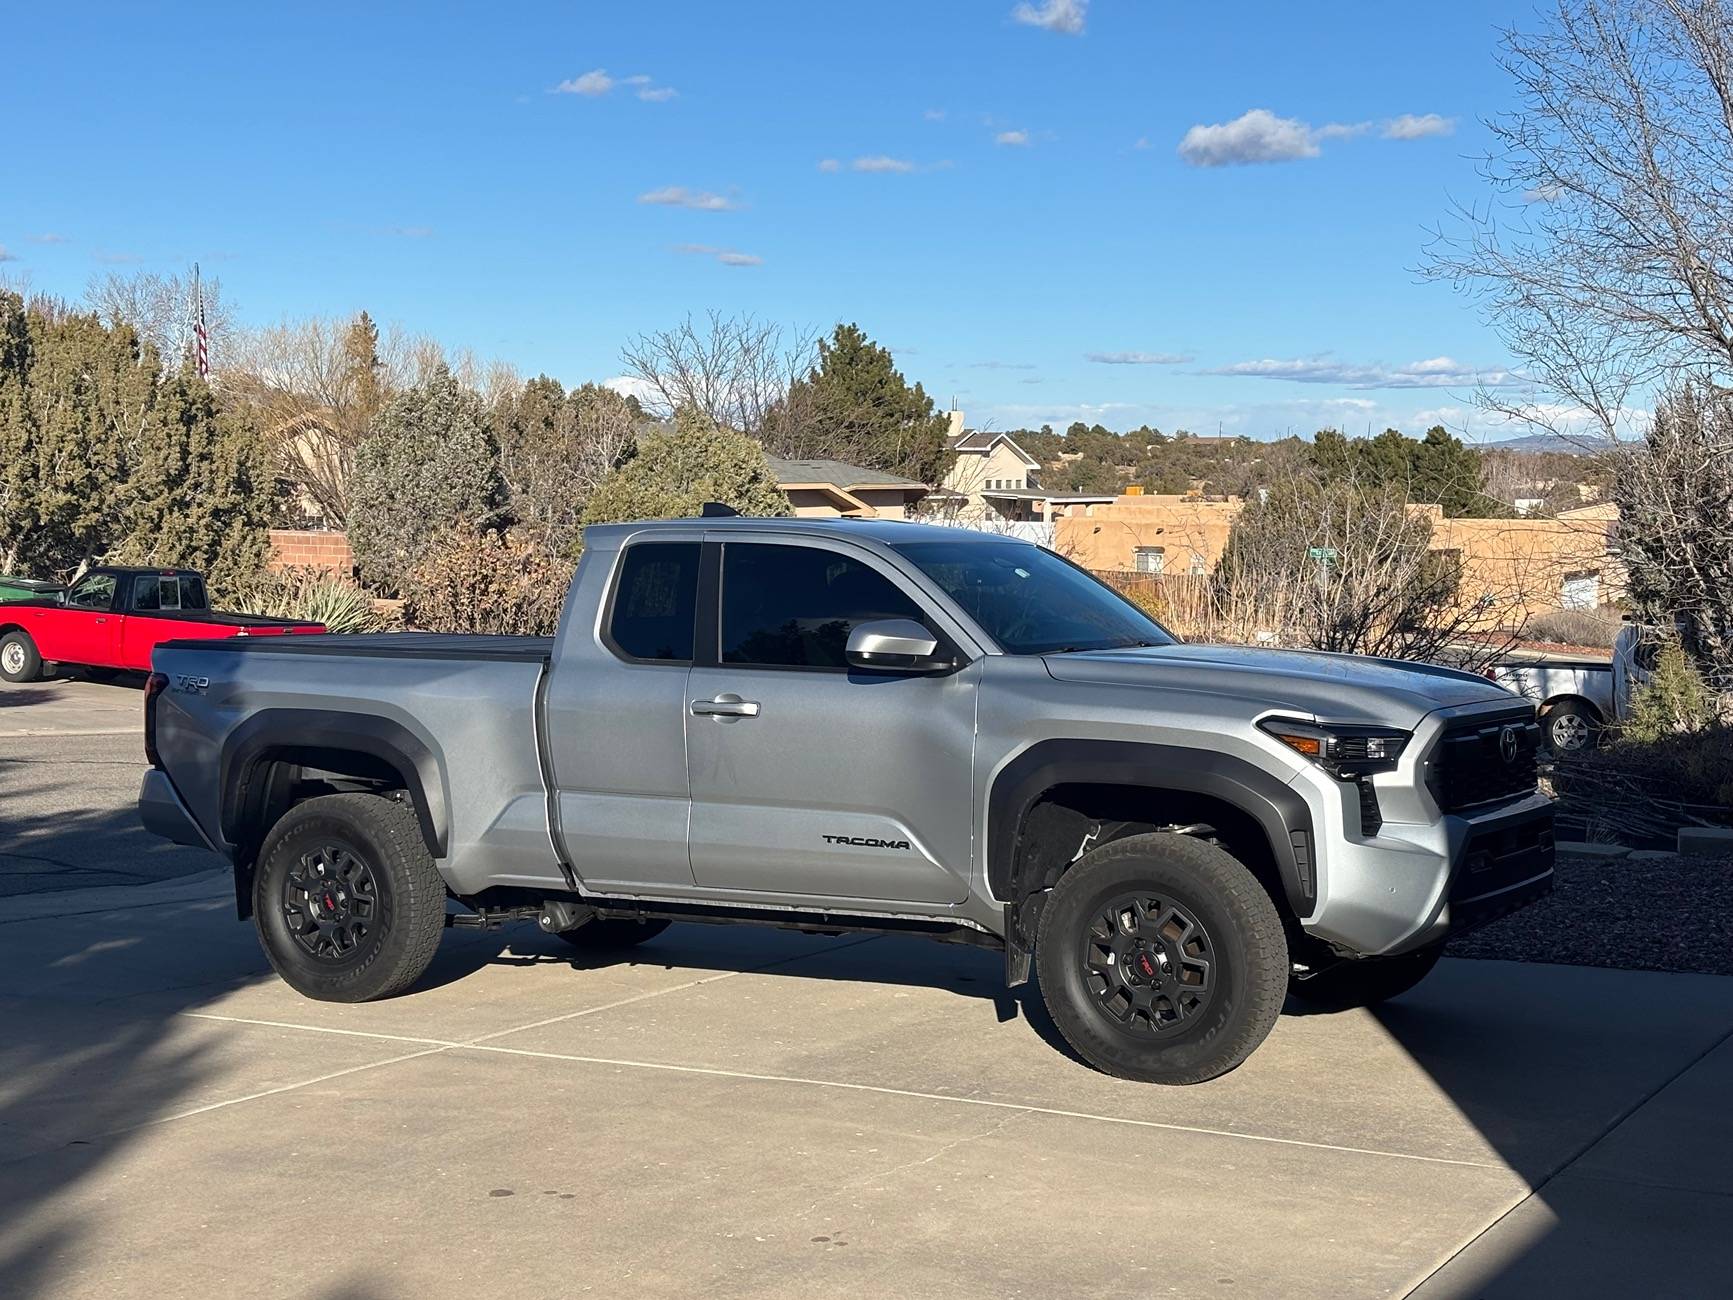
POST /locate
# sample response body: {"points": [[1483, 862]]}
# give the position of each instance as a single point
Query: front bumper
{"points": [[163, 813], [1500, 867], [1412, 885]]}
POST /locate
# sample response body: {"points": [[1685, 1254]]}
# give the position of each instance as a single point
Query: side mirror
{"points": [[894, 645]]}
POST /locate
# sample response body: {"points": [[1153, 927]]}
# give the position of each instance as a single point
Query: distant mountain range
{"points": [[1558, 443]]}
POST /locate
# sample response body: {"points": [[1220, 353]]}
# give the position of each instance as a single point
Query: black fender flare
{"points": [[301, 732], [1275, 806]]}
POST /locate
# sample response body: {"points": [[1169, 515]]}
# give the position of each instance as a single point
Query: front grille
{"points": [[1474, 764]]}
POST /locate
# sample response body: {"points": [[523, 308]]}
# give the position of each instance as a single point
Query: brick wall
{"points": [[294, 548]]}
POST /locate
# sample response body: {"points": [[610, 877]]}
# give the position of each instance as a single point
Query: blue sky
{"points": [[999, 192]]}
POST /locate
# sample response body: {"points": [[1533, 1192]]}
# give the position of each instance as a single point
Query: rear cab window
{"points": [[652, 614]]}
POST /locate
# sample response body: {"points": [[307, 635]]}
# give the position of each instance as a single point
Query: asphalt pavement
{"points": [[71, 758], [735, 1112]]}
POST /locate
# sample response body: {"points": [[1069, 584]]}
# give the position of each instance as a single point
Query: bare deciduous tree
{"points": [[1605, 257], [1676, 490], [160, 309], [731, 369], [555, 448], [1342, 564]]}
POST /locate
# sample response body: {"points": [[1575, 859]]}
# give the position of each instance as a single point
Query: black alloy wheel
{"points": [[1150, 964], [331, 900]]}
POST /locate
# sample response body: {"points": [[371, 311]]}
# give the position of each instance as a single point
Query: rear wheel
{"points": [[612, 934], [1571, 727], [1366, 982], [1162, 959], [347, 900], [19, 661]]}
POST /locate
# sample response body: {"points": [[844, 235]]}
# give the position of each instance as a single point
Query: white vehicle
{"points": [[1578, 698]]}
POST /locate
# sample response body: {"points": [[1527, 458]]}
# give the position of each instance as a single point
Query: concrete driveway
{"points": [[736, 1112]]}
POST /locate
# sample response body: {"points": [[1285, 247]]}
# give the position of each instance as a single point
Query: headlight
{"points": [[1343, 752]]}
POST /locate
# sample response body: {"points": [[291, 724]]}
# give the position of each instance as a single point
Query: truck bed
{"points": [[391, 645]]}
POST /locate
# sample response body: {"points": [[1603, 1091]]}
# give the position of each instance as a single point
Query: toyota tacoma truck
{"points": [[113, 617], [863, 726]]}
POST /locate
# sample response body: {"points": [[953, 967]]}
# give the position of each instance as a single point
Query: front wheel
{"points": [[347, 900], [1366, 982], [1162, 959], [19, 660]]}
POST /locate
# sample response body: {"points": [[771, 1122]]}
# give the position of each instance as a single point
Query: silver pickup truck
{"points": [[863, 726]]}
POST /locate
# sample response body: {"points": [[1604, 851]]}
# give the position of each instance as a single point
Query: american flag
{"points": [[201, 336]]}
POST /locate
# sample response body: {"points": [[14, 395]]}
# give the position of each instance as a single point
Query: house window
{"points": [[1197, 568], [1580, 591], [1148, 559]]}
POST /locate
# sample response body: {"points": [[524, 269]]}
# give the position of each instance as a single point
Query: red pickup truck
{"points": [[114, 617]]}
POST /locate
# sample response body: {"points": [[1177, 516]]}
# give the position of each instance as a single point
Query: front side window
{"points": [[1030, 601], [93, 591], [794, 606], [656, 602]]}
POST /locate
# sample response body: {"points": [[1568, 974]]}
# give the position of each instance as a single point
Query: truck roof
{"points": [[164, 570], [888, 531]]}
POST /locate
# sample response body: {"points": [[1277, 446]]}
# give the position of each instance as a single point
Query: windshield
{"points": [[1032, 602]]}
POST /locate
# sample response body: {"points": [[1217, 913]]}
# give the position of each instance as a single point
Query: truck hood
{"points": [[1331, 687]]}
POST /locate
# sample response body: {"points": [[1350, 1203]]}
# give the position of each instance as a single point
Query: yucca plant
{"points": [[313, 595]]}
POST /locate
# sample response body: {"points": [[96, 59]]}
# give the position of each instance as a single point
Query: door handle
{"points": [[102, 620], [725, 706]]}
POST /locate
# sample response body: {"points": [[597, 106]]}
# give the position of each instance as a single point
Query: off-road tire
{"points": [[19, 660], [612, 934], [1366, 982], [409, 919], [1248, 953]]}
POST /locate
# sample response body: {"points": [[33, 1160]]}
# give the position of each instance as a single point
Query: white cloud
{"points": [[408, 232], [829, 165], [633, 386], [1258, 136], [5, 256], [1012, 137], [678, 196], [934, 115], [1418, 126], [1142, 142], [592, 84], [1434, 372], [881, 163], [1001, 365], [596, 83], [1137, 358], [1548, 193], [1063, 16], [49, 237], [726, 256]]}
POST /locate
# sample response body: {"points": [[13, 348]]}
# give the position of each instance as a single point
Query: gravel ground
{"points": [[1673, 914]]}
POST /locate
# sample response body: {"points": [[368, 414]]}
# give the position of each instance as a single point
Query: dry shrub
{"points": [[1598, 628], [475, 580]]}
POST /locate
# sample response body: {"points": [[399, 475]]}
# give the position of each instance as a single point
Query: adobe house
{"points": [[1506, 565]]}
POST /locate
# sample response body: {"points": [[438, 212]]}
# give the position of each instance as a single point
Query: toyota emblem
{"points": [[1507, 741]]}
